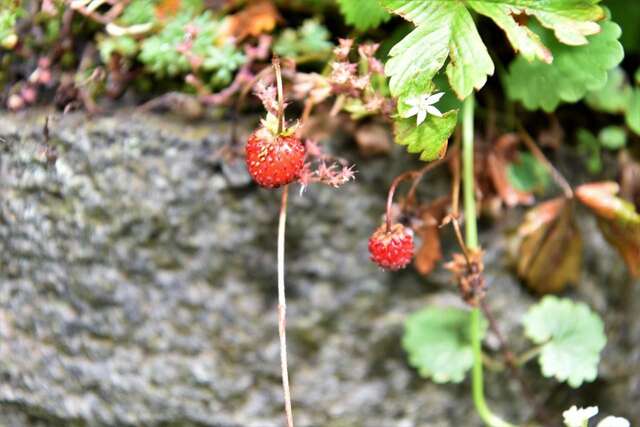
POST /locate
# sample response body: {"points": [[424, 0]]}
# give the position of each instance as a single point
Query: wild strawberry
{"points": [[391, 249], [274, 159]]}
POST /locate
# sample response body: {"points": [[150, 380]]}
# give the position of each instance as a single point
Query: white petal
{"points": [[414, 101], [410, 112], [433, 110], [422, 115], [434, 98], [574, 417], [611, 421]]}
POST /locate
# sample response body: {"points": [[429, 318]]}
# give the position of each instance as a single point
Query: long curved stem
{"points": [[471, 238], [282, 309]]}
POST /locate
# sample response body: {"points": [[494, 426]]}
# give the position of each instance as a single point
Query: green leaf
{"points": [[430, 138], [572, 337], [123, 45], [162, 56], [138, 12], [311, 39], [527, 174], [8, 18], [614, 96], [438, 343], [445, 29], [574, 71], [628, 18], [612, 137], [589, 147], [363, 14], [633, 112]]}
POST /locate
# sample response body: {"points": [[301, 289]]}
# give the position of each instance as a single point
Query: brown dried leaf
{"points": [[468, 273], [430, 251], [617, 218], [498, 160], [550, 253], [259, 17]]}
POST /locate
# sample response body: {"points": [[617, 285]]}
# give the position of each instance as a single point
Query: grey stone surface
{"points": [[137, 288]]}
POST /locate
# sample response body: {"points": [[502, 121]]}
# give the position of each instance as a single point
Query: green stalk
{"points": [[471, 240]]}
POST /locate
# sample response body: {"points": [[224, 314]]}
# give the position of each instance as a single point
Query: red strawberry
{"points": [[274, 160], [391, 249]]}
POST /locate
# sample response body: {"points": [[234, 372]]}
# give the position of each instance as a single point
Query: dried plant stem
{"points": [[278, 72], [538, 154], [282, 309]]}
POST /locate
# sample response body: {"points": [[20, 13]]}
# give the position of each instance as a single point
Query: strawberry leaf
{"points": [[617, 219], [572, 337], [445, 29], [632, 117], [574, 71], [363, 14], [614, 96], [430, 138], [438, 343]]}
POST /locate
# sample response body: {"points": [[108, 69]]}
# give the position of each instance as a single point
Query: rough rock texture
{"points": [[137, 288]]}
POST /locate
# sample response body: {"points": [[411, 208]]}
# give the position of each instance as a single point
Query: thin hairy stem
{"points": [[471, 240], [282, 309], [392, 190], [419, 174]]}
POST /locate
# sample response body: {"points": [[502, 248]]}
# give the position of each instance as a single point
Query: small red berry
{"points": [[391, 249], [274, 160]]}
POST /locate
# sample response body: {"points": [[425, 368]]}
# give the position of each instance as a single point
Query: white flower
{"points": [[611, 421], [574, 417], [422, 105]]}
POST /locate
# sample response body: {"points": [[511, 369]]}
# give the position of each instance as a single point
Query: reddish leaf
{"points": [[167, 8], [259, 17], [617, 218], [498, 160], [550, 251]]}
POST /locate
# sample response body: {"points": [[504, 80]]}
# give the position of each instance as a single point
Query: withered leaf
{"points": [[430, 251], [498, 159], [550, 252], [259, 17], [468, 273], [617, 219]]}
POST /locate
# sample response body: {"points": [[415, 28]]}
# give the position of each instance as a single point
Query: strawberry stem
{"points": [[278, 72], [416, 176], [282, 308], [471, 237], [397, 180]]}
